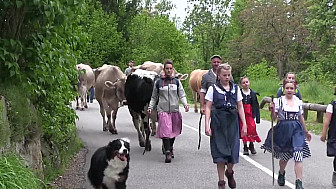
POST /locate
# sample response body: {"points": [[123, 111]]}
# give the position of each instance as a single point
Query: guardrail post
{"points": [[305, 112], [319, 115]]}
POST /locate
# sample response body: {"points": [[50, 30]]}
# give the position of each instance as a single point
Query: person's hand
{"points": [[323, 137], [203, 110], [308, 136], [149, 111], [186, 108], [208, 131], [244, 130], [271, 106]]}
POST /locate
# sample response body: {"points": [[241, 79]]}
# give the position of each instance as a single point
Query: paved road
{"points": [[193, 168]]}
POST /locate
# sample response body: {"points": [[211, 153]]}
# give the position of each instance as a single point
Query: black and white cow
{"points": [[138, 92]]}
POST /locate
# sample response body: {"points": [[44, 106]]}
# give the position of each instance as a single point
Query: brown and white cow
{"points": [[195, 84], [86, 80], [158, 68], [109, 92]]}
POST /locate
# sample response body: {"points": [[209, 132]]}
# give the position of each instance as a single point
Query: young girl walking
{"points": [[289, 133], [222, 100], [251, 110], [330, 125]]}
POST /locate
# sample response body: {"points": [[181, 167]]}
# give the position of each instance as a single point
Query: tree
{"points": [[156, 38], [206, 26], [275, 30]]}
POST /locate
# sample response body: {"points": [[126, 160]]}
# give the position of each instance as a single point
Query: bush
{"points": [[265, 87], [261, 71], [15, 175]]}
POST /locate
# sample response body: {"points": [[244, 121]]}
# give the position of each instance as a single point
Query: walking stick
{"points": [[199, 132], [272, 142]]}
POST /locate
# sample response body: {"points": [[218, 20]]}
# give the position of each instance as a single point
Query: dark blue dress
{"points": [[224, 142]]}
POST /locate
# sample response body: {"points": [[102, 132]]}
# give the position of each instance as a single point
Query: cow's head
{"points": [[119, 88]]}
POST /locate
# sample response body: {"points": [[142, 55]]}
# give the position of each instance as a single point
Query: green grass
{"points": [[15, 175]]}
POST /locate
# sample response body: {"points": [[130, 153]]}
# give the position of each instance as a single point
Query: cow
{"points": [[86, 80], [109, 92], [158, 68], [138, 92], [195, 84]]}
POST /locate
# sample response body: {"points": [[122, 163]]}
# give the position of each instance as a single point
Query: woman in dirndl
{"points": [[289, 133], [167, 92], [223, 99]]}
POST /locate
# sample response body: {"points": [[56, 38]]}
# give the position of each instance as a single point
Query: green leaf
{"points": [[19, 4], [12, 73], [47, 13]]}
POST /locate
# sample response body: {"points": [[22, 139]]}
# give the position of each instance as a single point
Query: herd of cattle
{"points": [[114, 89]]}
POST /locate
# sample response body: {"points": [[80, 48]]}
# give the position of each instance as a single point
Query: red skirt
{"points": [[252, 135]]}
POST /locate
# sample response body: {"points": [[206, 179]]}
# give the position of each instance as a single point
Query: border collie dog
{"points": [[110, 165]]}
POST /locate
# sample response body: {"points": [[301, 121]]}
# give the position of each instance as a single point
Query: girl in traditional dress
{"points": [[289, 133], [222, 100], [251, 110], [330, 125]]}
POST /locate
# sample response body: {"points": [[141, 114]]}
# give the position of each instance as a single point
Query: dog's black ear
{"points": [[109, 150]]}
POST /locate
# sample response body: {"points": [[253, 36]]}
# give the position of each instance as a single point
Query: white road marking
{"points": [[248, 159]]}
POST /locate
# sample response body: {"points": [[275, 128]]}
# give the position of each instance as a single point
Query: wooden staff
{"points": [[199, 132], [272, 141]]}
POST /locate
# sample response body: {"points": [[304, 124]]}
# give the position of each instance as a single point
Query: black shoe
{"points": [[172, 152], [252, 149], [221, 184], [231, 180], [168, 157], [246, 152], [298, 184], [281, 179]]}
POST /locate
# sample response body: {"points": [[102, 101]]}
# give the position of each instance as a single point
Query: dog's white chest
{"points": [[111, 173]]}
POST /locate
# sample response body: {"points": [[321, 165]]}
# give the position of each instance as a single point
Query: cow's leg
{"points": [[82, 102], [148, 146], [109, 122], [102, 113], [153, 120], [136, 122], [195, 101], [85, 99], [153, 127], [114, 117], [77, 102]]}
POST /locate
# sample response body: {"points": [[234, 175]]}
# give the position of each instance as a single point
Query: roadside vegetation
{"points": [[14, 174]]}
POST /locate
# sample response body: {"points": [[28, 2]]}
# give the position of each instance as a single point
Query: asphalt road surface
{"points": [[192, 168]]}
